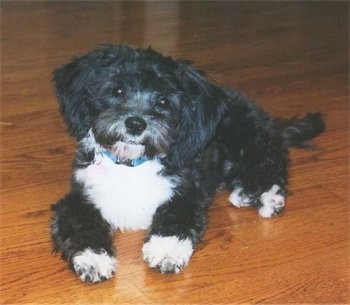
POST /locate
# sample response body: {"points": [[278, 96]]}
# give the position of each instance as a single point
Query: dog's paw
{"points": [[272, 202], [94, 266], [167, 254], [239, 199]]}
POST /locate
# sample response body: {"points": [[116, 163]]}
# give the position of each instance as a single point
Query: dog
{"points": [[156, 139]]}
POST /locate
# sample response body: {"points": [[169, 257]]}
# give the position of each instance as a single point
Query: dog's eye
{"points": [[163, 102], [118, 92]]}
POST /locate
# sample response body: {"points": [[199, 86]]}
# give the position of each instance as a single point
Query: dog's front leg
{"points": [[83, 237], [176, 229]]}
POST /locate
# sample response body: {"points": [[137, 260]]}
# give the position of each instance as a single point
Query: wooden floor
{"points": [[291, 57]]}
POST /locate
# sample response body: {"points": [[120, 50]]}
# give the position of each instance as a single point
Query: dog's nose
{"points": [[135, 125]]}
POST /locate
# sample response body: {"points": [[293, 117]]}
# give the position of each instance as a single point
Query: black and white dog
{"points": [[156, 140]]}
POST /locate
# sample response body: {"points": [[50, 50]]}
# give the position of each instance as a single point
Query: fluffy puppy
{"points": [[155, 140]]}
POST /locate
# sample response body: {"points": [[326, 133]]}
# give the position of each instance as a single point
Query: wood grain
{"points": [[292, 57]]}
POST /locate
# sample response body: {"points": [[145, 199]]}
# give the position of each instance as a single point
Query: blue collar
{"points": [[131, 163]]}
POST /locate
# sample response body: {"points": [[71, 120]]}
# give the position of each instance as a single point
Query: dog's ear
{"points": [[202, 109], [71, 81]]}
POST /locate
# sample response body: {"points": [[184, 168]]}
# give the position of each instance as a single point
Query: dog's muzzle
{"points": [[131, 136]]}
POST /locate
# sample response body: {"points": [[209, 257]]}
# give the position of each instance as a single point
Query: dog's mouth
{"points": [[128, 150]]}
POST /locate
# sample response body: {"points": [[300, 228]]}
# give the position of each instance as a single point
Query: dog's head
{"points": [[137, 102]]}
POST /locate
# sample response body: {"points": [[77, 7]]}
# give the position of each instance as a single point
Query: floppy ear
{"points": [[201, 113], [70, 87]]}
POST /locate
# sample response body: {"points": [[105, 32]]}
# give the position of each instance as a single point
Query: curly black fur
{"points": [[203, 136]]}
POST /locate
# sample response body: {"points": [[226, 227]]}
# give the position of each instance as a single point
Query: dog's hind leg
{"points": [[84, 238], [262, 176]]}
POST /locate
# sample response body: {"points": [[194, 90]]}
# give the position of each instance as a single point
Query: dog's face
{"points": [[135, 112], [139, 103]]}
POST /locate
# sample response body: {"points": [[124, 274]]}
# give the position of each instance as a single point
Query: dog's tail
{"points": [[297, 131]]}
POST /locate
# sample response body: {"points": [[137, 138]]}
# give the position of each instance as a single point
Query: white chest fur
{"points": [[126, 196]]}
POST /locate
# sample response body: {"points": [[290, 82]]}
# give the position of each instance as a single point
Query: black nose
{"points": [[135, 125]]}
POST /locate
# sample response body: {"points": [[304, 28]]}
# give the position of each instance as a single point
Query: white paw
{"points": [[239, 199], [168, 254], [94, 267], [271, 201]]}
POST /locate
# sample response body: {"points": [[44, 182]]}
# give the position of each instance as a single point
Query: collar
{"points": [[131, 163]]}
